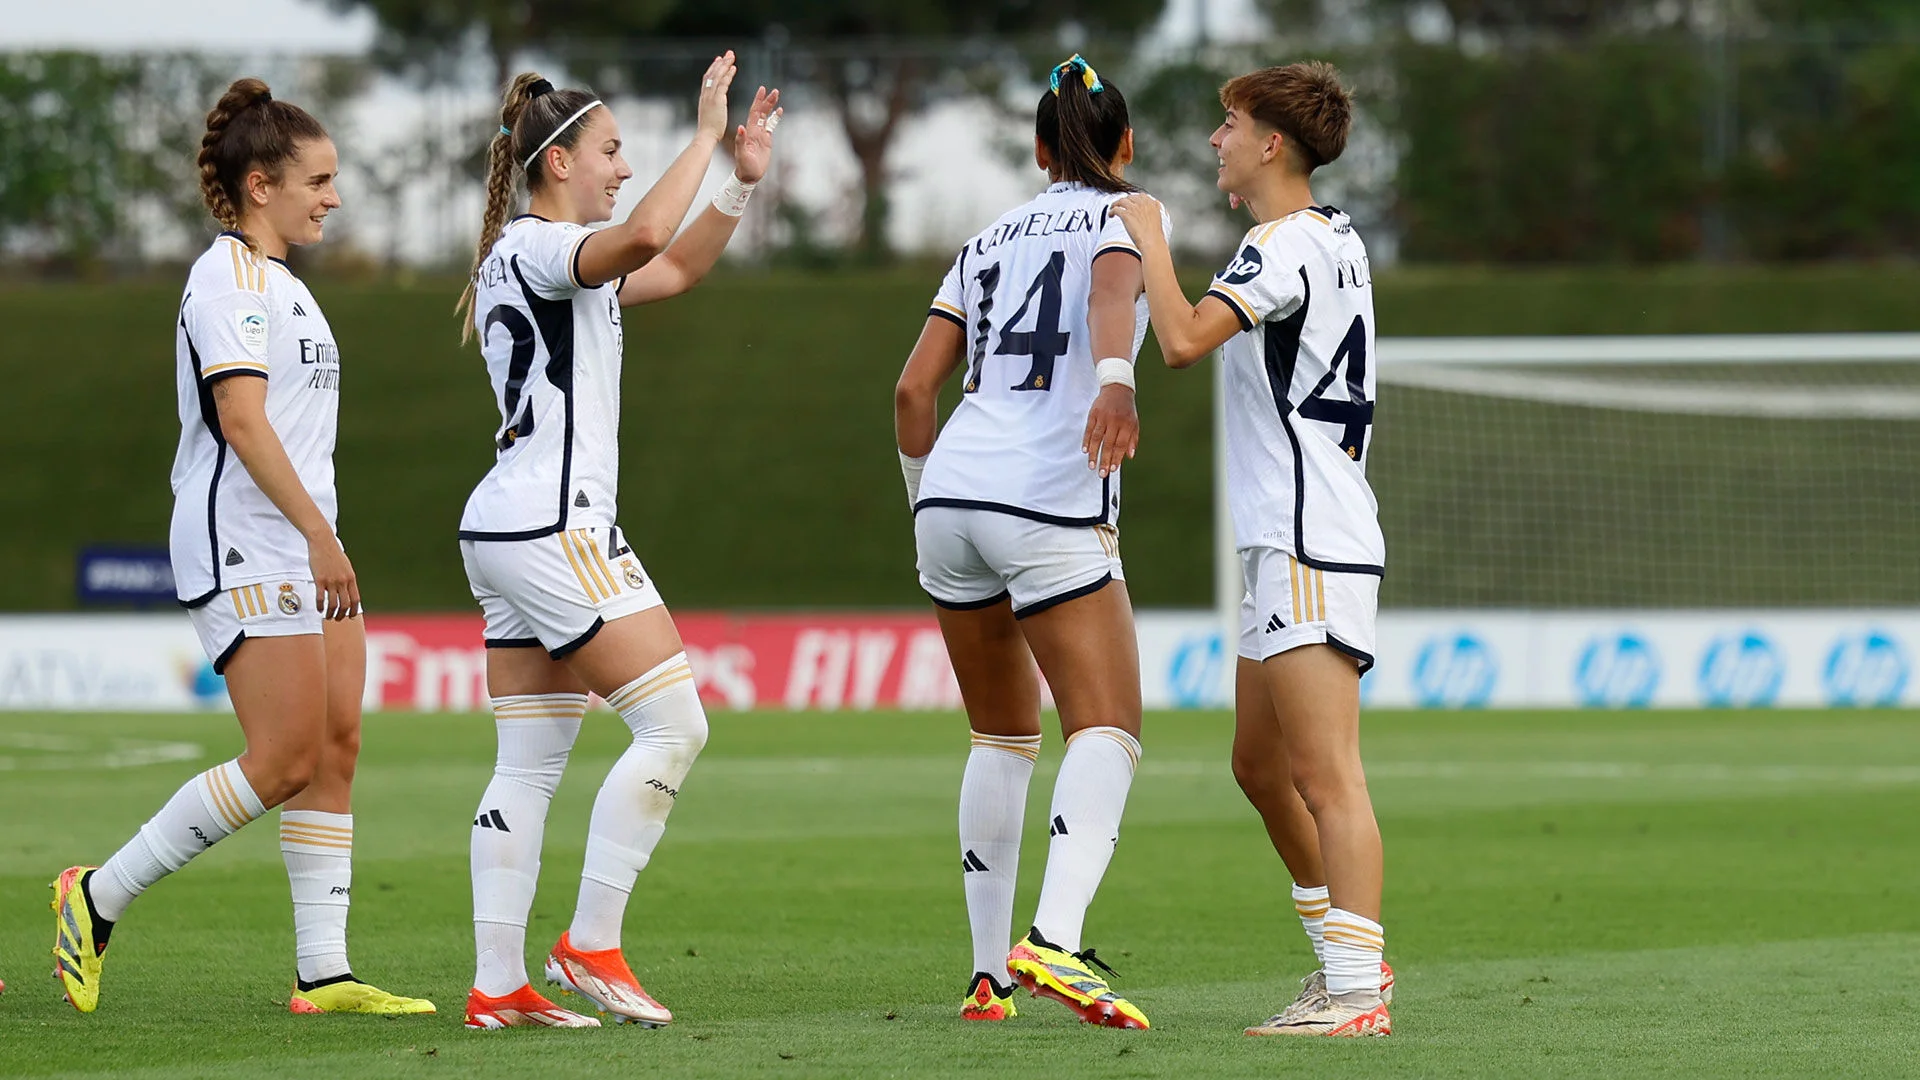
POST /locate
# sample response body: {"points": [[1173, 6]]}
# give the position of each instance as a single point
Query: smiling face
{"points": [[294, 205], [589, 175], [1244, 146]]}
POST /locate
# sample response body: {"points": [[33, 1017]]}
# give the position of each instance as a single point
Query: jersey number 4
{"points": [[1043, 344], [1355, 414]]}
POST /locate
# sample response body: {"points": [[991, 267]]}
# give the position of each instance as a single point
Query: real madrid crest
{"points": [[633, 575], [289, 600]]}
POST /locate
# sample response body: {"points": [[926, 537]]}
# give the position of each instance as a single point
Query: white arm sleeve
{"points": [[227, 324], [950, 302], [549, 257]]}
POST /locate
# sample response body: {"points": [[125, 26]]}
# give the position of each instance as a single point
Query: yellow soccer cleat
{"points": [[603, 977], [76, 959], [349, 995], [988, 1000], [1068, 978]]}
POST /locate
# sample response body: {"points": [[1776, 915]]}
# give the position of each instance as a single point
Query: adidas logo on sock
{"points": [[1059, 826], [491, 819], [1274, 624], [970, 863], [234, 558]]}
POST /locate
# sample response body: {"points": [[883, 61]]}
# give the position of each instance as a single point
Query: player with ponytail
{"points": [[569, 608], [256, 560], [1016, 506]]}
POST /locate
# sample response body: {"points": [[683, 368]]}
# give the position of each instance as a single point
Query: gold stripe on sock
{"points": [[1113, 734], [308, 841], [231, 810], [314, 826], [678, 673]]}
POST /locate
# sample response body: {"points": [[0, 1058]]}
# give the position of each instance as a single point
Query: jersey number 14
{"points": [[1043, 344]]}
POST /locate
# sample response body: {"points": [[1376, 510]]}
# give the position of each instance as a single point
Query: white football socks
{"points": [[1089, 796], [1354, 947], [1311, 905], [318, 850], [536, 734], [993, 805], [206, 810], [630, 812]]}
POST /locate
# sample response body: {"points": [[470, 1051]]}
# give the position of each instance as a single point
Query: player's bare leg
{"points": [[316, 843], [1001, 692], [1315, 692], [1088, 651]]}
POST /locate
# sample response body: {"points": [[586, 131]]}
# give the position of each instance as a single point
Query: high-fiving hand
{"points": [[753, 140], [711, 119]]}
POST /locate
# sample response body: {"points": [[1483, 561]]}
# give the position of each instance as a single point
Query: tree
{"points": [[876, 60]]}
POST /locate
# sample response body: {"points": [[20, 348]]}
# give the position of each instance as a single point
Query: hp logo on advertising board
{"points": [[1865, 669], [1194, 675], [1742, 670], [1457, 671], [1618, 672]]}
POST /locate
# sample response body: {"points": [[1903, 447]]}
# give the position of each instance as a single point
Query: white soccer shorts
{"points": [[557, 591], [976, 558], [267, 609], [1289, 604]]}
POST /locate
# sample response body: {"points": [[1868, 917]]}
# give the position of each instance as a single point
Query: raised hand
{"points": [[753, 140], [711, 120]]}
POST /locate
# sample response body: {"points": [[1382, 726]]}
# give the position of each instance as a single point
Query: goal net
{"points": [[1650, 472]]}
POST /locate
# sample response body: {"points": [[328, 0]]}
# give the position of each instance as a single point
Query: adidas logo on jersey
{"points": [[971, 864], [1274, 624], [234, 558], [491, 819], [298, 310], [580, 500]]}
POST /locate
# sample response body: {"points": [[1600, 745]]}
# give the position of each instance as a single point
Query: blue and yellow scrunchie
{"points": [[1087, 74]]}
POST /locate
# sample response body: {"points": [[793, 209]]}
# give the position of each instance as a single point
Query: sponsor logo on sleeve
{"points": [[252, 327], [1244, 267]]}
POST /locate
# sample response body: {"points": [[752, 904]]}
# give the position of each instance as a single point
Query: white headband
{"points": [[542, 148]]}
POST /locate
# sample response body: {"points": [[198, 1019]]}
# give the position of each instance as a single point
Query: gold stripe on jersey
{"points": [[1233, 300], [233, 365], [573, 560], [247, 274], [944, 306]]}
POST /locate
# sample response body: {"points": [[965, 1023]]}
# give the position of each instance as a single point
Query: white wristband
{"points": [[732, 197], [1116, 369], [910, 470]]}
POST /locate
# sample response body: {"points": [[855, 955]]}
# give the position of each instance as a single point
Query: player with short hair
{"points": [[1293, 316], [569, 608], [257, 561], [1016, 512]]}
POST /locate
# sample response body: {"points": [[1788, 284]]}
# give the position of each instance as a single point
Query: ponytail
{"points": [[530, 116], [246, 130], [1082, 120]]}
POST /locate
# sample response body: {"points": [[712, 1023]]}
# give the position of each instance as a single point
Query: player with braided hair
{"points": [[257, 562], [569, 608]]}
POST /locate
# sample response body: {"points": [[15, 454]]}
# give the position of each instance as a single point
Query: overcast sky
{"points": [[313, 26]]}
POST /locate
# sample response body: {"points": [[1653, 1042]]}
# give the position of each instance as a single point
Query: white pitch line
{"points": [[58, 753], [1598, 770]]}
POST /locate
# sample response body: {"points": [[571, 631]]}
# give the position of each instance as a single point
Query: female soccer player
{"points": [[258, 564], [1294, 312], [568, 606], [1016, 508]]}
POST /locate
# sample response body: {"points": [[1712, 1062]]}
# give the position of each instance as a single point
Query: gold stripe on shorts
{"points": [[587, 585]]}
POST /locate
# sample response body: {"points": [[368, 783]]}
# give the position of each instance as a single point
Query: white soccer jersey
{"points": [[553, 350], [1019, 290], [1300, 392], [245, 315]]}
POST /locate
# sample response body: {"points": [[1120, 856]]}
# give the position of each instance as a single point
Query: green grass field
{"points": [[1639, 894]]}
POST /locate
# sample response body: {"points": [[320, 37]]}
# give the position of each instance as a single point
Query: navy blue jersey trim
{"points": [[1366, 659], [1021, 511], [524, 534], [226, 655], [1039, 606], [219, 375], [947, 315], [1114, 249], [512, 643], [209, 416], [1245, 320]]}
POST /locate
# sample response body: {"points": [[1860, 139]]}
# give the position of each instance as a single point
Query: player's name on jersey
{"points": [[1061, 222]]}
